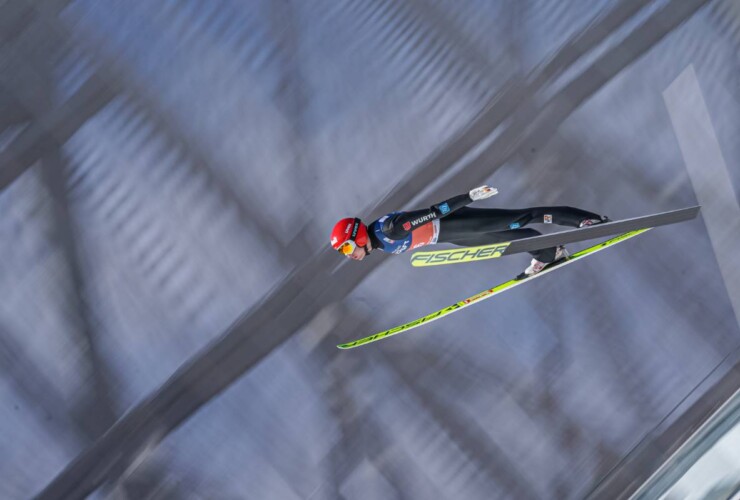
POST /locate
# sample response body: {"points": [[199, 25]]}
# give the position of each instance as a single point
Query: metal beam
{"points": [[110, 80], [35, 387], [30, 85], [363, 436], [46, 134], [98, 412], [116, 73]]}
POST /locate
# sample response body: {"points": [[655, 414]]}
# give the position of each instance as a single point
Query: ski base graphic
{"points": [[486, 294]]}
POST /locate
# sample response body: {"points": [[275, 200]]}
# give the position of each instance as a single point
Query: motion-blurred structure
{"points": [[169, 174]]}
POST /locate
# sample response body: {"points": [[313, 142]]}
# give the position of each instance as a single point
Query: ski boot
{"points": [[592, 222], [536, 266]]}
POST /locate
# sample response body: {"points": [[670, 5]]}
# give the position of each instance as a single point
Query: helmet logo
{"points": [[334, 240], [349, 226]]}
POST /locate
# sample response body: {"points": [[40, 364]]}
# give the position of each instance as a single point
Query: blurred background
{"points": [[169, 175]]}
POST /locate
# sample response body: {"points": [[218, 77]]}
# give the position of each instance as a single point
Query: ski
{"points": [[495, 250], [487, 294]]}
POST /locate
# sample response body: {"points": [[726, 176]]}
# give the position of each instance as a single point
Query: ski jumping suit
{"points": [[453, 222]]}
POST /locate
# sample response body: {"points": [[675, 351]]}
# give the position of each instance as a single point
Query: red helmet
{"points": [[349, 230]]}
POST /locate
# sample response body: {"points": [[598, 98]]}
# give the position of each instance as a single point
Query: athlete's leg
{"points": [[560, 215], [472, 220], [482, 226]]}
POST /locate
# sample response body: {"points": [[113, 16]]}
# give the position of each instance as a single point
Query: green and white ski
{"points": [[487, 294]]}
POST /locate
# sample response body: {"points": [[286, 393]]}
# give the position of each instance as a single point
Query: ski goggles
{"points": [[347, 247]]}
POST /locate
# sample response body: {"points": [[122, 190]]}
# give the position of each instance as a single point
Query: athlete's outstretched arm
{"points": [[400, 225]]}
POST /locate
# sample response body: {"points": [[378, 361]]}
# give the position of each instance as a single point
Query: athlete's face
{"points": [[358, 254]]}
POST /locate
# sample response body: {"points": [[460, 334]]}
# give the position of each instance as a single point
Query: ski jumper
{"points": [[453, 222]]}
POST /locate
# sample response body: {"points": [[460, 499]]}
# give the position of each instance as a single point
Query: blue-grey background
{"points": [[171, 170]]}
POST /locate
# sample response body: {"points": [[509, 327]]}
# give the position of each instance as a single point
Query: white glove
{"points": [[481, 193]]}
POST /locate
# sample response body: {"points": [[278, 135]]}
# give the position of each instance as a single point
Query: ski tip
{"points": [[356, 343]]}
